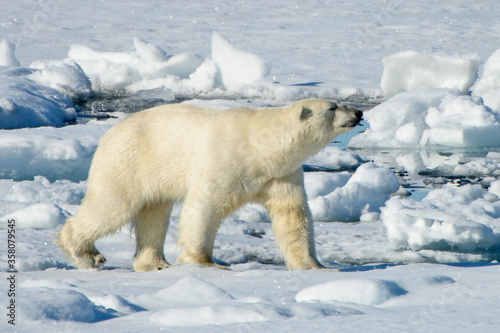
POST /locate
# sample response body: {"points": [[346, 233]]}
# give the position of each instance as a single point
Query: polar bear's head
{"points": [[328, 117]]}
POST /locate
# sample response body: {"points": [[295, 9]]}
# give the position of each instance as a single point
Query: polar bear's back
{"points": [[152, 147]]}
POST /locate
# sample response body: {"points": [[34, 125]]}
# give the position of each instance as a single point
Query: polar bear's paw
{"points": [[141, 266], [90, 260], [192, 257], [214, 265]]}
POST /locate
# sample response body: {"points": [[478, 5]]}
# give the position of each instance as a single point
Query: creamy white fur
{"points": [[214, 161]]}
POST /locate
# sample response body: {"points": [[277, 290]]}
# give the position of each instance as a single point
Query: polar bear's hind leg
{"points": [[151, 226]]}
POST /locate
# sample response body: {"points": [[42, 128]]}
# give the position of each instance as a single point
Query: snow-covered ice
{"points": [[488, 84], [65, 76], [364, 193], [235, 67], [420, 263], [25, 103], [7, 54], [55, 153], [463, 219]]}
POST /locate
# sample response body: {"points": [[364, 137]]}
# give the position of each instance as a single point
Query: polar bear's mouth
{"points": [[355, 116]]}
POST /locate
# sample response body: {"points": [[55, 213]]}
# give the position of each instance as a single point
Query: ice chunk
{"points": [[410, 69], [406, 108], [424, 117], [333, 159], [359, 291], [108, 71], [181, 65], [203, 78], [459, 111], [40, 216], [323, 183], [461, 122], [461, 219], [7, 54], [148, 68], [149, 52], [410, 133], [485, 136], [82, 53], [364, 192], [488, 84], [65, 76], [25, 103], [495, 188], [236, 68]]}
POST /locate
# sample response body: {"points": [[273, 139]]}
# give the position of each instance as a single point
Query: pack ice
{"points": [[429, 104], [463, 219]]}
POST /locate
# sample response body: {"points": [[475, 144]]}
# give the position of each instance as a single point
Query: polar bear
{"points": [[214, 161]]}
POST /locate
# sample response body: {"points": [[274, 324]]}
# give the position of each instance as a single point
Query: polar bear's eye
{"points": [[333, 107]]}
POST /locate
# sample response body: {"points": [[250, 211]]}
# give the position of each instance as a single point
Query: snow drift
{"points": [[359, 291]]}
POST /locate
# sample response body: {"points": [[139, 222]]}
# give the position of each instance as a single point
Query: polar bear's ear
{"points": [[333, 107], [305, 113]]}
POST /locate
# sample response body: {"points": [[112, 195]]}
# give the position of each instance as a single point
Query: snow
{"points": [[188, 290], [422, 258], [58, 304], [213, 315]]}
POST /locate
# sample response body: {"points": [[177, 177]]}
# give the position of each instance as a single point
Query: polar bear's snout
{"points": [[358, 114], [348, 117]]}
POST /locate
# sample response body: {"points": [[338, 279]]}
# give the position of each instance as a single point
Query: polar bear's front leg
{"points": [[286, 202]]}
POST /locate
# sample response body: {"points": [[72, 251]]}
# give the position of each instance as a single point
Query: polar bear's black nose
{"points": [[359, 115]]}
